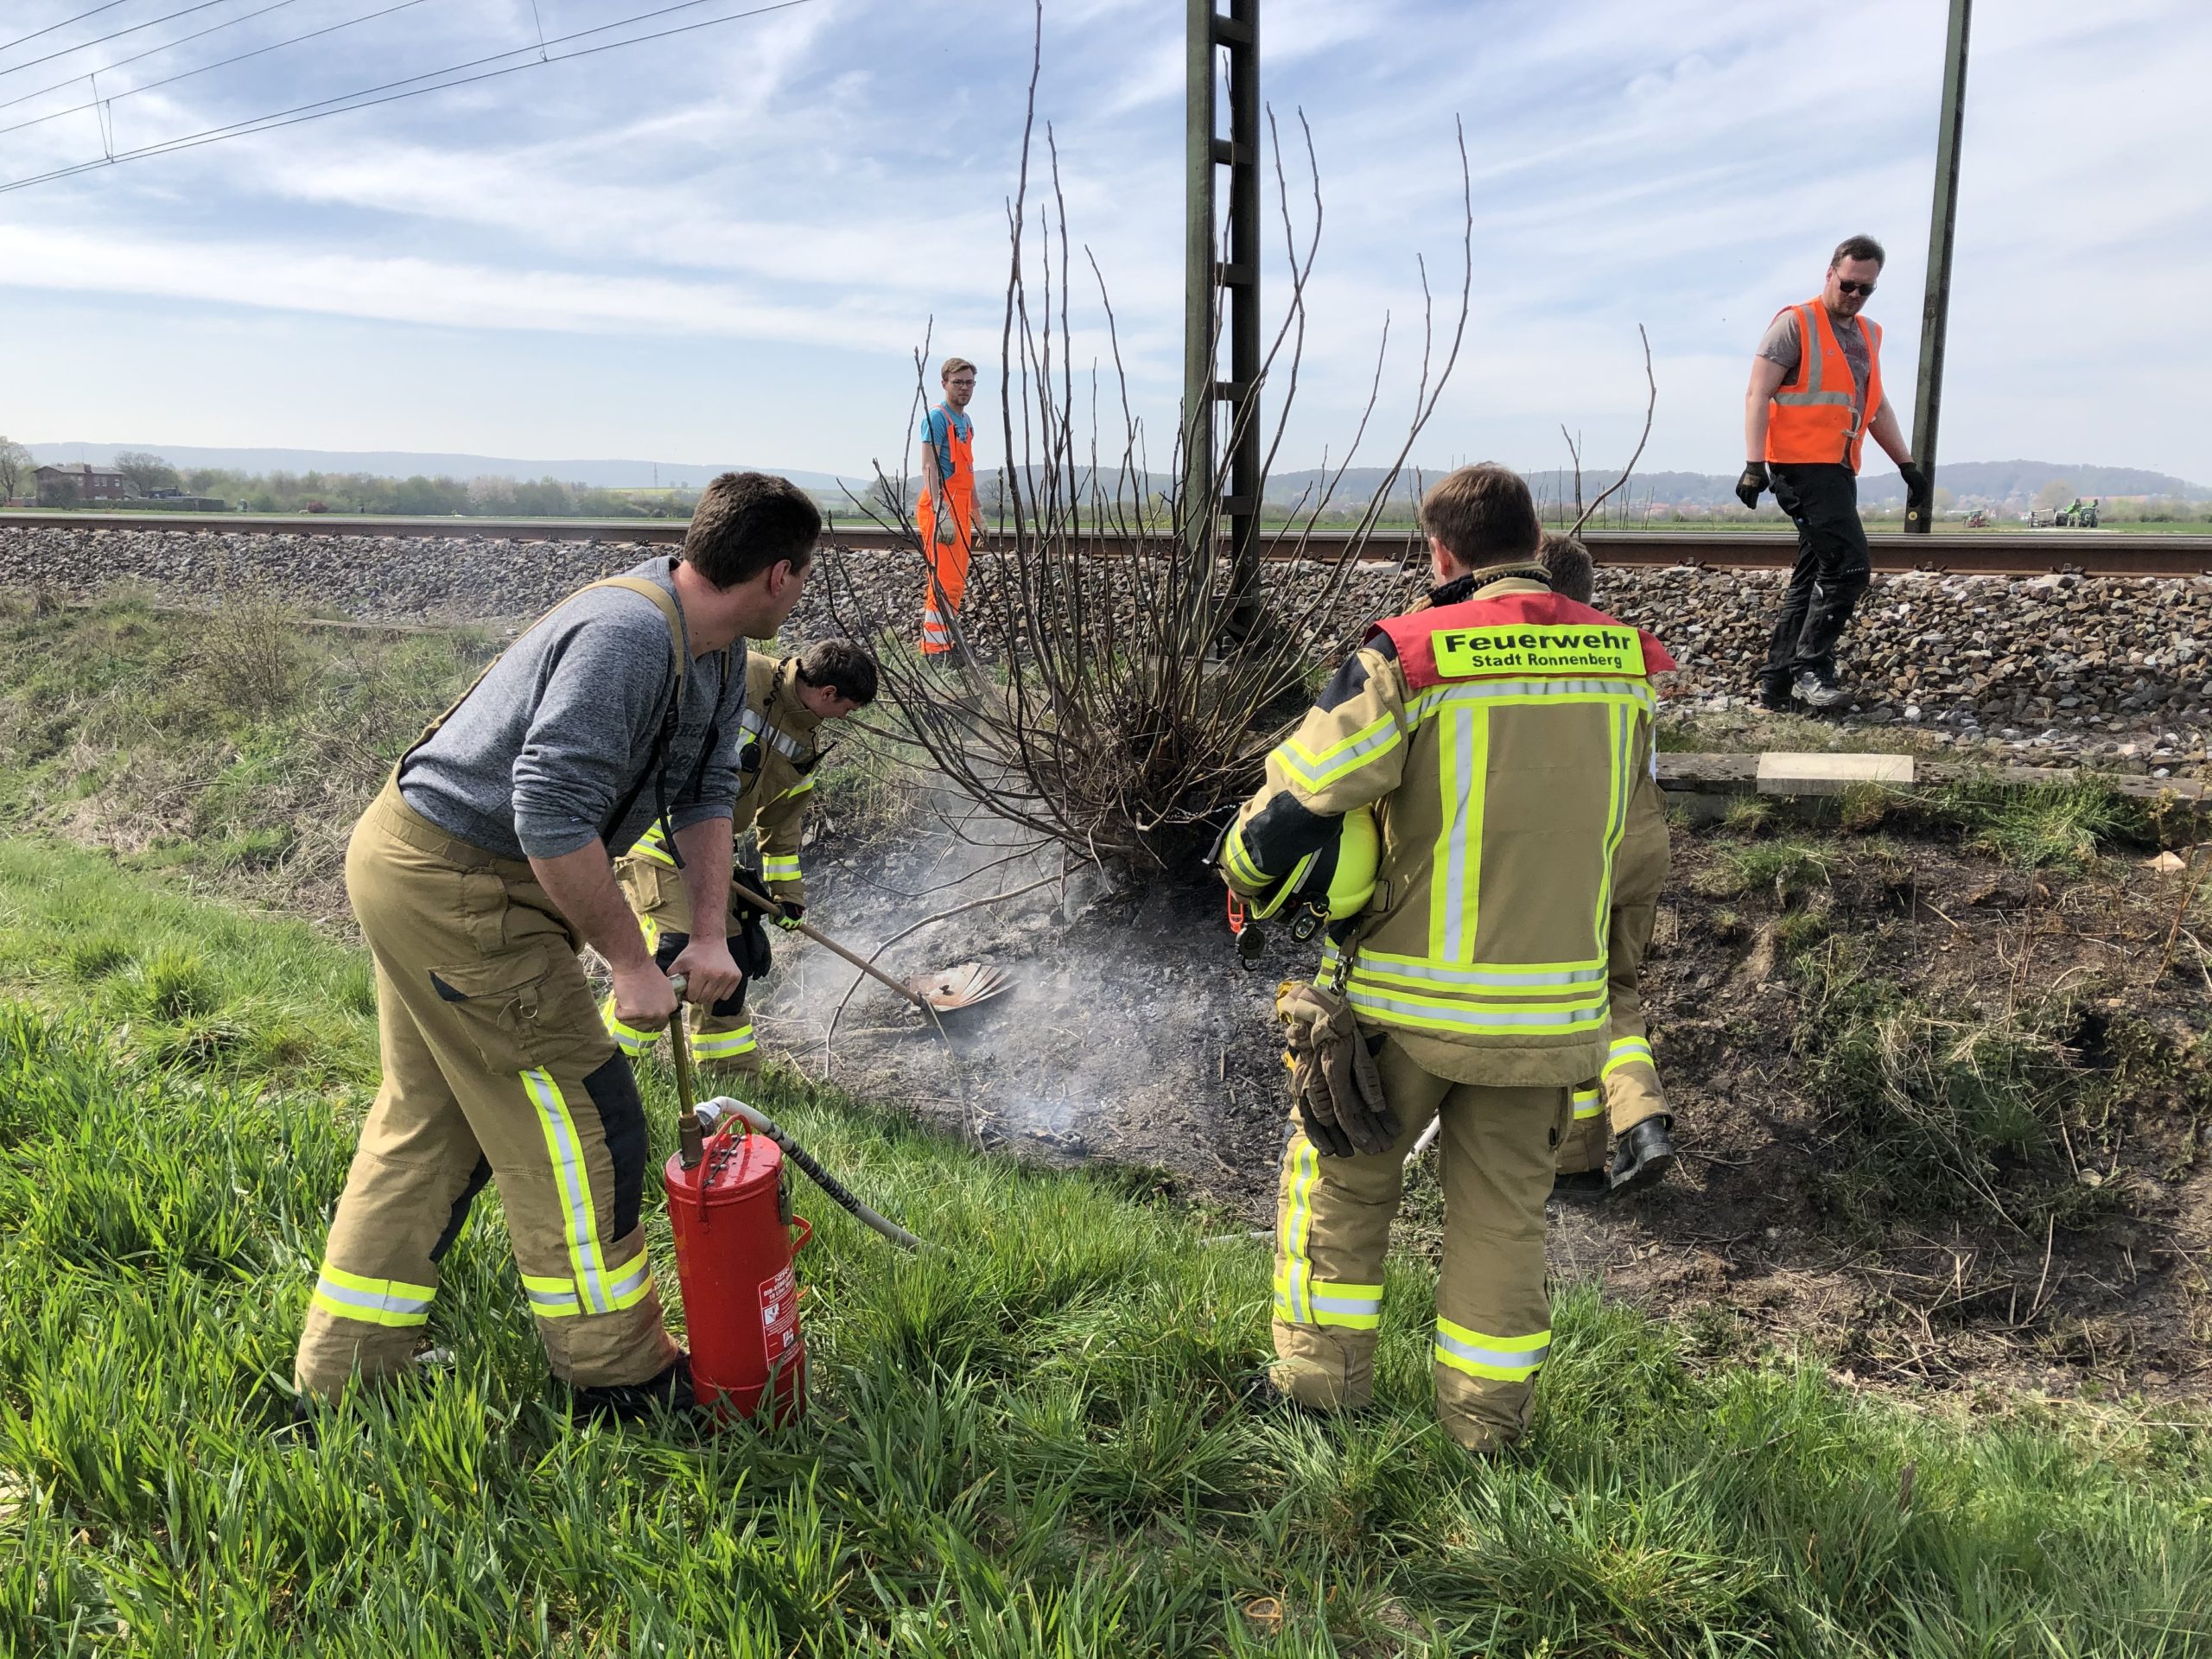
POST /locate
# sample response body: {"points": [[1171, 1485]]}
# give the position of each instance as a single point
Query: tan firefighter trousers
{"points": [[722, 1034], [496, 1067], [1493, 1317]]}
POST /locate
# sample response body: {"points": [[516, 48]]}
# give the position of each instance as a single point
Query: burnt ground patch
{"points": [[1941, 1077]]}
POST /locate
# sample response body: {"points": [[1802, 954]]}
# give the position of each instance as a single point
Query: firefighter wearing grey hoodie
{"points": [[478, 875]]}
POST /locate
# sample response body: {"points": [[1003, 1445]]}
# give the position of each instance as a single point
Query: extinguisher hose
{"points": [[761, 1123]]}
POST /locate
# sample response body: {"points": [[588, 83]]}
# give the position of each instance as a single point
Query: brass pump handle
{"points": [[691, 1139]]}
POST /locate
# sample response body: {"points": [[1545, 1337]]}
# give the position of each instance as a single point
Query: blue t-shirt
{"points": [[937, 426]]}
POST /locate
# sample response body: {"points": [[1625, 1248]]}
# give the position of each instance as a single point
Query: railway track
{"points": [[2096, 553]]}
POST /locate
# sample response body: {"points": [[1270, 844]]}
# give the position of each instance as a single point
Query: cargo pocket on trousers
{"points": [[499, 1003]]}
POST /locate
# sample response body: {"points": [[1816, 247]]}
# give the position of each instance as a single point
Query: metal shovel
{"points": [[944, 992]]}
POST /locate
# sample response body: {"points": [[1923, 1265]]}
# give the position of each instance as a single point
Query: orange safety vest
{"points": [[1810, 418]]}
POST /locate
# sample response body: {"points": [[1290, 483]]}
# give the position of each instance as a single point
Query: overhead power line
{"points": [[220, 63], [102, 40], [64, 23], [137, 57], [368, 98]]}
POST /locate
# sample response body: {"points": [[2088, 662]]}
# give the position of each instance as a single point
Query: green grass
{"points": [[1030, 1444]]}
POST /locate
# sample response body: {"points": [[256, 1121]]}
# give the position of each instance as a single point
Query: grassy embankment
{"points": [[1028, 1445]]}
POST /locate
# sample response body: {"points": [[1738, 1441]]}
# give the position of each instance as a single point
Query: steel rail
{"points": [[2096, 553]]}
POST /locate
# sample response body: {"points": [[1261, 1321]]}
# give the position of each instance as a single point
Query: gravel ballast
{"points": [[2114, 671]]}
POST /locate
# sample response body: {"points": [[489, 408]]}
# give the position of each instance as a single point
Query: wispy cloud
{"points": [[809, 190]]}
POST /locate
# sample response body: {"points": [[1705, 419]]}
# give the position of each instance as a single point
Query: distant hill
{"points": [[1991, 482], [401, 463]]}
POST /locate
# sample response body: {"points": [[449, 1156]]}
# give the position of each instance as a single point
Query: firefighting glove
{"points": [[789, 918], [748, 943], [1918, 497], [1332, 1077], [1753, 480]]}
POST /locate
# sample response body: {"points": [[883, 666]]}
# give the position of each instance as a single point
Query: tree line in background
{"points": [[149, 475]]}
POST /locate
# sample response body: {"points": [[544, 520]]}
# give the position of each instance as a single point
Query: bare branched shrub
{"points": [[1111, 690], [249, 657]]}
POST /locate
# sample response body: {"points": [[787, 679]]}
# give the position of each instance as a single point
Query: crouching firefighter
{"points": [[786, 703], [1502, 738], [477, 876], [1626, 1095]]}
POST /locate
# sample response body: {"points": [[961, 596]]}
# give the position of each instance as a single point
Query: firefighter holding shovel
{"points": [[786, 704], [478, 876], [1500, 737]]}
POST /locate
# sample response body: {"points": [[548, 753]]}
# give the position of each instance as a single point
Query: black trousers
{"points": [[1832, 570]]}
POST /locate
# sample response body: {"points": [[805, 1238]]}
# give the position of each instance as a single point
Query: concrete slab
{"points": [[1783, 773]]}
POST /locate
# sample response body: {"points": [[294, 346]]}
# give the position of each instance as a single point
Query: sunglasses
{"points": [[1855, 287]]}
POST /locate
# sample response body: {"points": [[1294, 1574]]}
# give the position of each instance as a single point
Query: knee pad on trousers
{"points": [[613, 1091]]}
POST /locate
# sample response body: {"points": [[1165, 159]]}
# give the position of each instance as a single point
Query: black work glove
{"points": [[748, 943], [789, 919], [1918, 496], [1753, 481]]}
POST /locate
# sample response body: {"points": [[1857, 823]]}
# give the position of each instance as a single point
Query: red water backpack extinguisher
{"points": [[732, 1215]]}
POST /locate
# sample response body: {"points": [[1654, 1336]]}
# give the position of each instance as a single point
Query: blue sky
{"points": [[726, 244]]}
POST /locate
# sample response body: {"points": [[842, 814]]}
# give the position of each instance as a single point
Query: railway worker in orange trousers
{"points": [[945, 515]]}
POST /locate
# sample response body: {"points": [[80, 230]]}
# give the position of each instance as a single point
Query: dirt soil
{"points": [[1133, 1036]]}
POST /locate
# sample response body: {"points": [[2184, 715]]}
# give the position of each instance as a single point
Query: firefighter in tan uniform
{"points": [[1625, 1097], [1502, 738], [786, 703], [477, 876]]}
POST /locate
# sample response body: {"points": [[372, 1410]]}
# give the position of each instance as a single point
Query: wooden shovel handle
{"points": [[770, 907]]}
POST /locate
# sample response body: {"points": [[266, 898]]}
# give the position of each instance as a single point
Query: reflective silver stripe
{"points": [[1503, 1359], [552, 1300], [754, 724], [1345, 1304], [1490, 978], [1588, 1102], [1336, 762], [325, 1287], [1490, 691], [1458, 943], [573, 1181], [1473, 1014], [630, 1279]]}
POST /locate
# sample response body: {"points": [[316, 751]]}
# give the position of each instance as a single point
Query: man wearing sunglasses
{"points": [[1816, 393]]}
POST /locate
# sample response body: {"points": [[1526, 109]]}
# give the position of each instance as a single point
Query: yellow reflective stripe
{"points": [[1292, 1297], [720, 1044], [1480, 1019], [1267, 903], [801, 787], [372, 1301], [1239, 860], [1515, 973], [1351, 1307], [378, 1287], [1548, 694], [628, 1285], [1620, 732], [1459, 790], [631, 1040], [1505, 983], [1346, 755], [1588, 1102], [565, 1147], [653, 845], [783, 868], [1500, 1359], [1628, 1050], [551, 1299]]}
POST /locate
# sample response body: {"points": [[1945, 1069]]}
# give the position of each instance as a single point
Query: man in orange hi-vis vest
{"points": [[1816, 393], [945, 515]]}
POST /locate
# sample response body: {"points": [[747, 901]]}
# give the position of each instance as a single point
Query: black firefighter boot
{"points": [[1645, 1153]]}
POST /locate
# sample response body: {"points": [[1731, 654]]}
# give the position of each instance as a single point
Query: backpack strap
{"points": [[665, 732]]}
